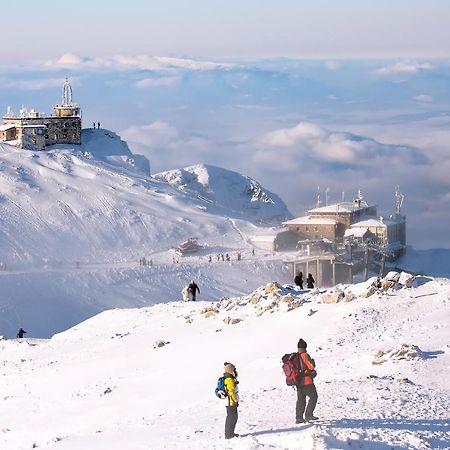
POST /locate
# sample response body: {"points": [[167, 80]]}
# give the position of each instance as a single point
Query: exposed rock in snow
{"points": [[160, 343], [333, 297], [231, 320], [405, 352]]}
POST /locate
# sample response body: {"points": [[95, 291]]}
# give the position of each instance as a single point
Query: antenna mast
{"points": [[399, 197]]}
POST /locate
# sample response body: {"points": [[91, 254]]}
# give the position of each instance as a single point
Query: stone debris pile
{"points": [[375, 285], [405, 352]]}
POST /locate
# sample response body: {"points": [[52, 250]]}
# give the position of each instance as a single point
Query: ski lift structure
{"points": [[188, 247]]}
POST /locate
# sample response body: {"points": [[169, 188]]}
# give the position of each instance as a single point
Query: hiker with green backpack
{"points": [[227, 388]]}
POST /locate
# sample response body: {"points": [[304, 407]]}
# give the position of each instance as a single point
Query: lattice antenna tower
{"points": [[399, 197], [67, 93]]}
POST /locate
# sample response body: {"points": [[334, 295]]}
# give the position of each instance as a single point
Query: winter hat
{"points": [[302, 344], [229, 368]]}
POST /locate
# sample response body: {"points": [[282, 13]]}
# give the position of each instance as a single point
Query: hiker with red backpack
{"points": [[227, 388], [299, 369]]}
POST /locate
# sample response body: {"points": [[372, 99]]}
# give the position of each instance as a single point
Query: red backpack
{"points": [[292, 368]]}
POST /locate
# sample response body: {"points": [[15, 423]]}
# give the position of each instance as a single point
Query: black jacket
{"points": [[194, 288]]}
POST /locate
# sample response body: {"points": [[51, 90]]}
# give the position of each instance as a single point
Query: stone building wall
{"points": [[312, 231], [59, 130]]}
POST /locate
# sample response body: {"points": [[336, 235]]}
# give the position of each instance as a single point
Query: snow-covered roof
{"points": [[369, 223], [308, 220], [343, 207], [357, 232], [6, 127]]}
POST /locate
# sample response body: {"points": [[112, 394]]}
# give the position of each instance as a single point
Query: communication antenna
{"points": [[327, 190], [399, 197], [318, 197], [67, 93], [343, 196]]}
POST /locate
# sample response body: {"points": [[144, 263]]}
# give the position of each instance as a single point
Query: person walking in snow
{"points": [[305, 386], [98, 125], [298, 280], [93, 123], [20, 333], [231, 387], [193, 288], [310, 281]]}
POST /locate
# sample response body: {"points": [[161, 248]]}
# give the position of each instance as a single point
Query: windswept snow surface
{"points": [[75, 220], [103, 384], [97, 202]]}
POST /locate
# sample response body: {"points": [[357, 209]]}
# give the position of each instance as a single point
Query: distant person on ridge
{"points": [[231, 382], [305, 385], [93, 123], [298, 280], [310, 281], [193, 288], [20, 333], [98, 125]]}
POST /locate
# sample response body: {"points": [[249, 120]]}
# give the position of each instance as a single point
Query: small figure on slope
{"points": [[20, 333], [298, 280], [310, 281], [193, 288]]}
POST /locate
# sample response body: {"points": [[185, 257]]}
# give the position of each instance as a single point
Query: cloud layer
{"points": [[309, 140], [291, 124], [404, 67], [131, 62]]}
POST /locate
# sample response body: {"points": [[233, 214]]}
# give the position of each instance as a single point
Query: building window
{"points": [[316, 228], [306, 228]]}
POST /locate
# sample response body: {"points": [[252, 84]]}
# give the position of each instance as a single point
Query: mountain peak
{"points": [[227, 190]]}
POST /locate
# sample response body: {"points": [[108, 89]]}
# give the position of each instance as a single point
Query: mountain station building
{"points": [[33, 130]]}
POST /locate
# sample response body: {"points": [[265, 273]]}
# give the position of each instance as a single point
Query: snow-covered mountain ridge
{"points": [[75, 220], [98, 201], [104, 384], [227, 190]]}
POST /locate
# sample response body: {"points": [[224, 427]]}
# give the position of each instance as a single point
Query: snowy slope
{"points": [[75, 220], [228, 192], [98, 202], [103, 385]]}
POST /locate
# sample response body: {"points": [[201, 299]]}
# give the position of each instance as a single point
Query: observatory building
{"points": [[33, 130]]}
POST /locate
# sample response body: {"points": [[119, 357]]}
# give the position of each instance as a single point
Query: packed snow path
{"points": [[104, 384]]}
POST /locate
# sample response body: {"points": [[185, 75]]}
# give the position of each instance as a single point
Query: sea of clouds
{"points": [[300, 127]]}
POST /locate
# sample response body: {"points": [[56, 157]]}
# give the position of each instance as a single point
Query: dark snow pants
{"points": [[309, 391], [230, 422]]}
